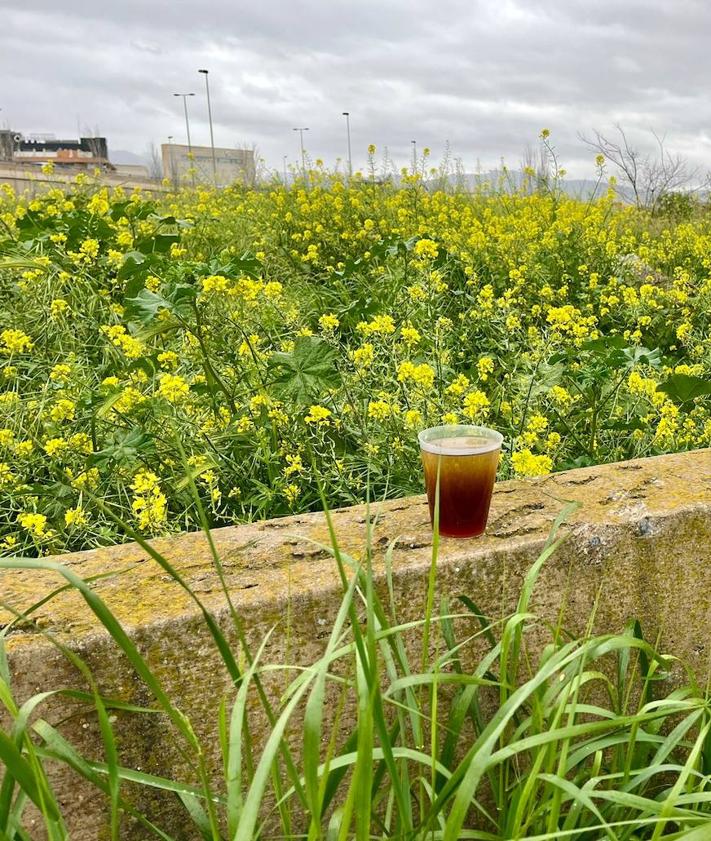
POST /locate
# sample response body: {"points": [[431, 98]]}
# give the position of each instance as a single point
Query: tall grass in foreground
{"points": [[484, 735]]}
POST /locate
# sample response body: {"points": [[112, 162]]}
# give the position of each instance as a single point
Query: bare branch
{"points": [[648, 177]]}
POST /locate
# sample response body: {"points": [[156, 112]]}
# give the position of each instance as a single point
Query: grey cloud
{"points": [[486, 75]]}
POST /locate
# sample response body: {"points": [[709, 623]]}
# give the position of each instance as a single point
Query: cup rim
{"points": [[494, 442]]}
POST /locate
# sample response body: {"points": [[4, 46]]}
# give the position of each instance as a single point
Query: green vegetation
{"points": [[451, 727], [277, 334]]}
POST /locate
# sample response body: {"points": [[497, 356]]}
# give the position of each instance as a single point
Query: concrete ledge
{"points": [[639, 542]]}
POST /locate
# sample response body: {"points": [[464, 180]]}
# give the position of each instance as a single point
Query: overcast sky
{"points": [[486, 75]]}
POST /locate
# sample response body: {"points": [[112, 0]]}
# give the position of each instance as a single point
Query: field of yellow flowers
{"points": [[249, 345]]}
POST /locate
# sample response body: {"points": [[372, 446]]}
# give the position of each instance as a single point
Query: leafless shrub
{"points": [[645, 178]]}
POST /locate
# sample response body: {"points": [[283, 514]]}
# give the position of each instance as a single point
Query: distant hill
{"points": [[513, 180], [121, 156]]}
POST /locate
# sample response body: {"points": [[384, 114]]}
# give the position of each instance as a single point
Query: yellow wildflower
{"points": [[459, 385], [328, 322], [63, 410], [525, 463], [75, 517], [476, 405], [7, 477], [89, 248], [381, 325], [55, 446], [364, 355], [15, 341], [414, 419], [318, 415], [168, 360], [58, 307], [484, 367], [379, 410], [60, 373], [410, 335], [133, 348], [173, 388], [294, 465], [216, 284], [35, 524], [426, 249], [127, 400]]}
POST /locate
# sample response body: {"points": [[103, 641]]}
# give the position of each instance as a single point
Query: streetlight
{"points": [[347, 115], [209, 116], [284, 162], [414, 156], [187, 131], [301, 140], [172, 161]]}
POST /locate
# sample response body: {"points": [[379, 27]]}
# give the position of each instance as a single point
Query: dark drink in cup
{"points": [[465, 459]]}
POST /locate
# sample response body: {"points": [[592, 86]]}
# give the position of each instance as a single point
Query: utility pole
{"points": [[209, 116], [187, 131], [173, 177], [303, 154], [347, 115]]}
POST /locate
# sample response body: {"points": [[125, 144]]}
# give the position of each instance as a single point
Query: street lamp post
{"points": [[414, 156], [347, 115], [172, 161], [187, 131], [303, 155], [209, 116], [284, 162]]}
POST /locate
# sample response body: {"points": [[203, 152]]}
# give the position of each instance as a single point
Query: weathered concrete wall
{"points": [[32, 180], [639, 543]]}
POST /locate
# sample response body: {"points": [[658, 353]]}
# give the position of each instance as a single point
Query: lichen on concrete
{"points": [[637, 546]]}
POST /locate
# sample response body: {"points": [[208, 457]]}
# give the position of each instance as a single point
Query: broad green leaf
{"points": [[682, 388], [157, 243], [133, 262], [144, 306], [305, 373], [124, 448], [642, 356]]}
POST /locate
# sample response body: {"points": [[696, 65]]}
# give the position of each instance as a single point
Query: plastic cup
{"points": [[464, 459]]}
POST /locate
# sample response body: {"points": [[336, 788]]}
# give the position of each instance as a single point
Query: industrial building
{"points": [[185, 164], [85, 153]]}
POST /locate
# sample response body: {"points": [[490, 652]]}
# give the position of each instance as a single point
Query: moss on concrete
{"points": [[640, 539]]}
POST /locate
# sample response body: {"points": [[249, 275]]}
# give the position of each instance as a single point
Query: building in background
{"points": [[131, 170], [232, 165], [85, 153]]}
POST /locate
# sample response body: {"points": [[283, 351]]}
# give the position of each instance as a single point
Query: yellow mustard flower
{"points": [[318, 416], [525, 463]]}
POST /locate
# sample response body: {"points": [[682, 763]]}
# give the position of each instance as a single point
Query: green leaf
{"points": [[605, 344], [133, 262], [614, 352], [157, 243], [124, 449], [144, 306], [305, 373], [247, 264], [682, 388], [180, 297], [637, 355], [18, 767]]}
